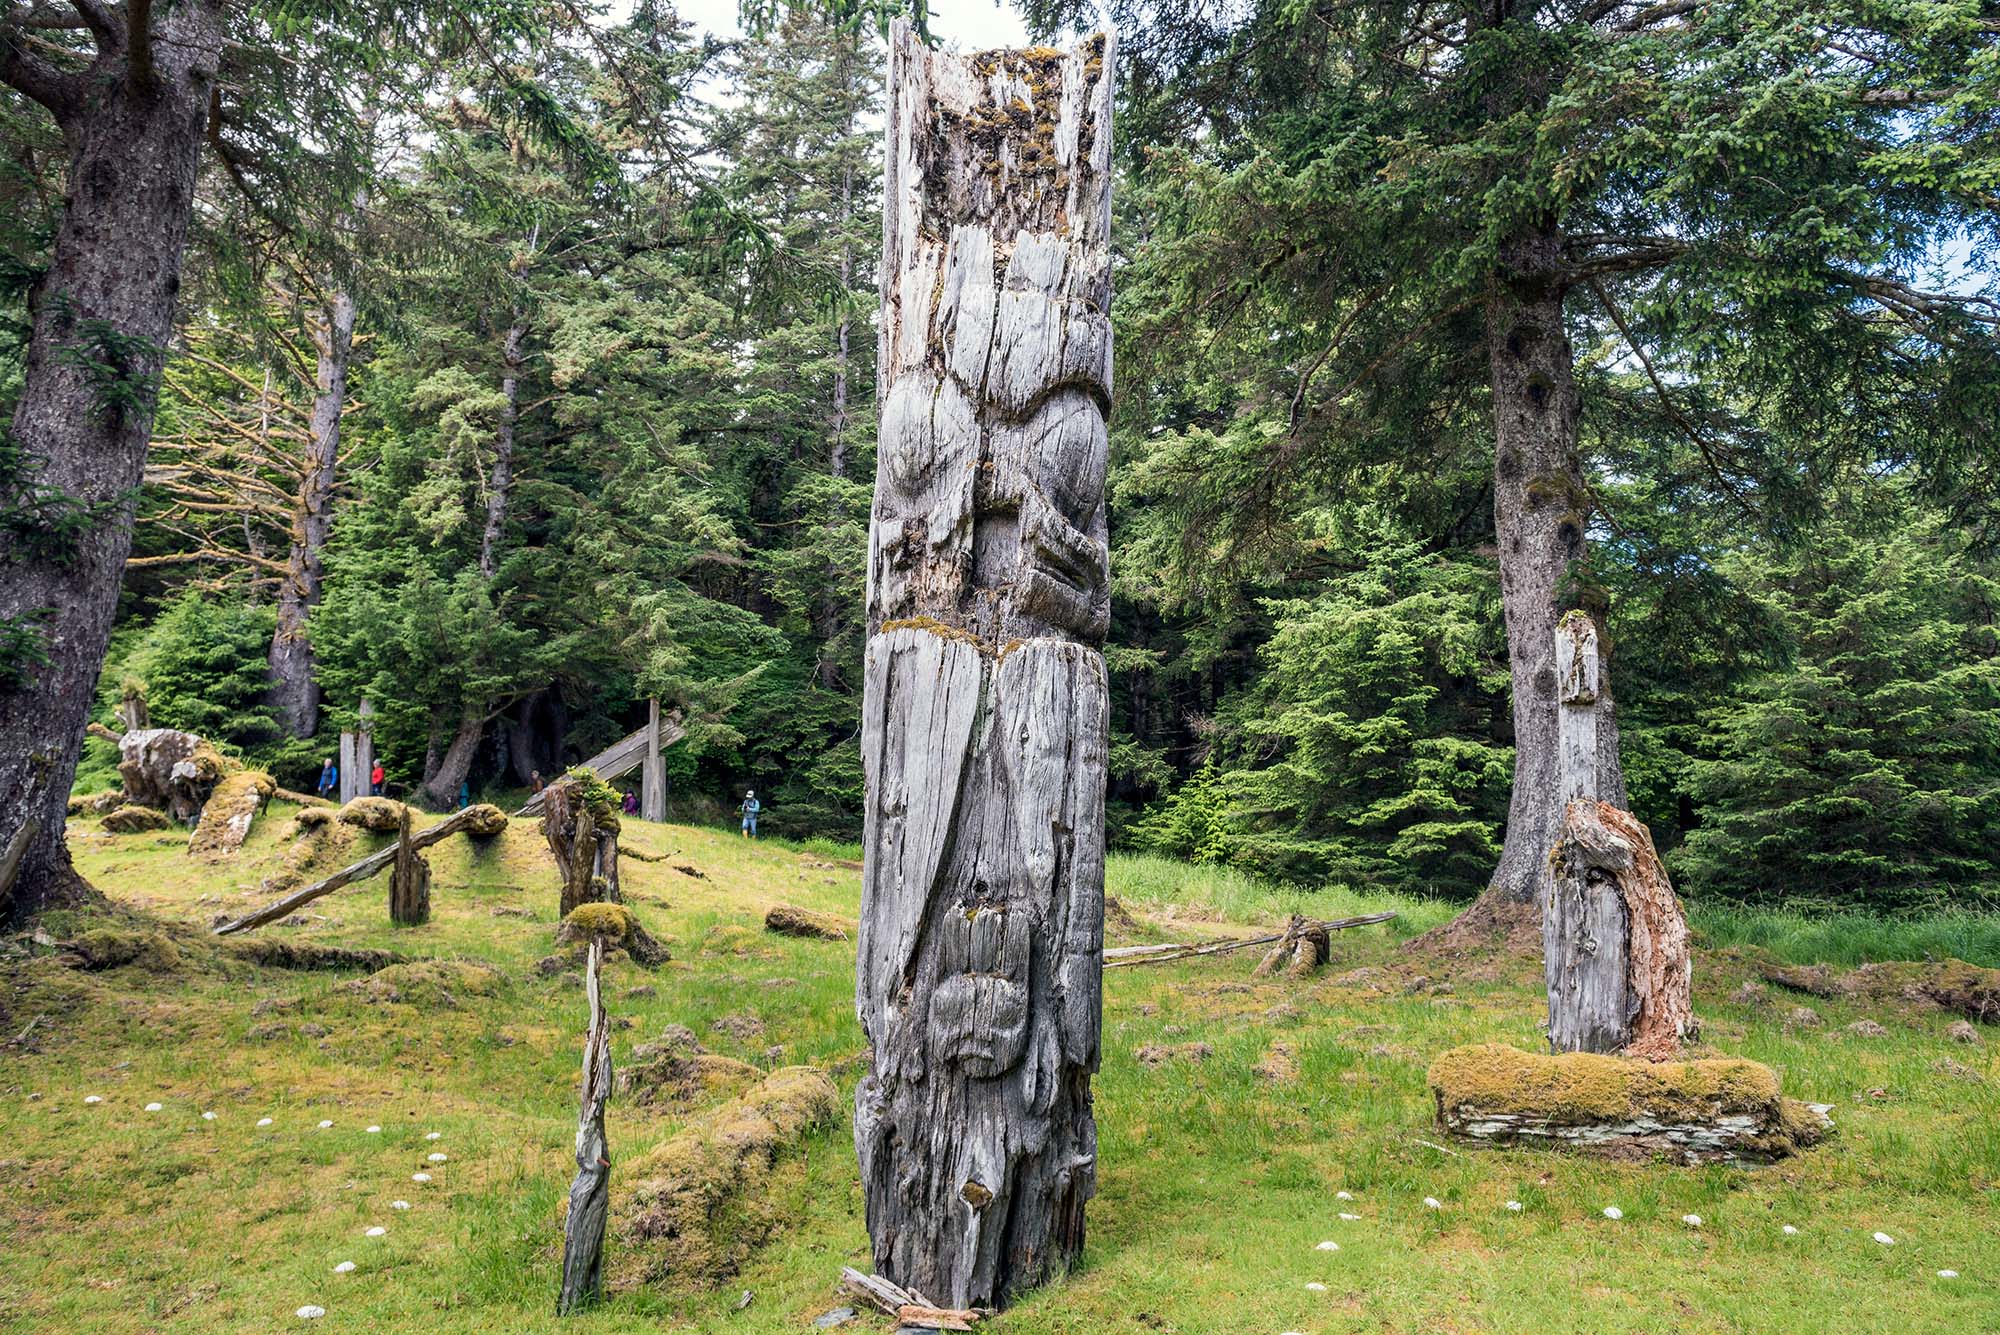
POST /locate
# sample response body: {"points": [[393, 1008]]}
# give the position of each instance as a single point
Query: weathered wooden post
{"points": [[653, 770], [409, 881], [985, 713], [132, 706], [1614, 941], [590, 1191], [357, 756]]}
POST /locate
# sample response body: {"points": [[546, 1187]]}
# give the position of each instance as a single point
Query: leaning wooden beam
{"points": [[590, 1193], [1122, 957], [985, 705], [484, 819], [621, 757]]}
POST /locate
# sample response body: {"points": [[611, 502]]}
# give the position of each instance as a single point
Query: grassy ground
{"points": [[1217, 1183]]}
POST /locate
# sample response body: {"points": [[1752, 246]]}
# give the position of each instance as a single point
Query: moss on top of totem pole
{"points": [[1585, 1088], [600, 797], [941, 629], [612, 922]]}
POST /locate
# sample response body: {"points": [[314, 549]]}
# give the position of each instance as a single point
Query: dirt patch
{"points": [[1159, 1054], [1279, 1064], [741, 1026], [700, 1204]]}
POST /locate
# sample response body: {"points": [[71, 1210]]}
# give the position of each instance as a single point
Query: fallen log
{"points": [[885, 1296], [484, 819], [1119, 957]]}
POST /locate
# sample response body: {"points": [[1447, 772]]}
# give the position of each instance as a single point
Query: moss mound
{"points": [[1953, 984], [135, 820], [701, 1203], [96, 804], [379, 814], [273, 953], [615, 926], [110, 948], [433, 984], [787, 920], [482, 821]]}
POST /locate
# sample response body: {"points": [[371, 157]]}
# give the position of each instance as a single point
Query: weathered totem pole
{"points": [[1614, 941], [985, 718]]}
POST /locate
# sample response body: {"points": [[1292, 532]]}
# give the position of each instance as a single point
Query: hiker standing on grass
{"points": [[631, 803], [535, 778], [375, 778], [750, 807], [329, 778]]}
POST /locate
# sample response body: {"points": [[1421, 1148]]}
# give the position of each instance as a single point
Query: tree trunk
{"points": [[984, 727], [103, 313], [294, 687], [409, 881], [501, 482], [441, 785], [1540, 511]]}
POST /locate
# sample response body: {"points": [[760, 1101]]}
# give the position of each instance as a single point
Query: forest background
{"points": [[560, 396]]}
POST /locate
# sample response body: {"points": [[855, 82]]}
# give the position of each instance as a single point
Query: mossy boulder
{"points": [[135, 820], [1693, 1111], [694, 1209], [380, 814]]}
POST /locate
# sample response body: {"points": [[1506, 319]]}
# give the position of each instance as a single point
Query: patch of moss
{"points": [[135, 820], [380, 814], [435, 984], [226, 816], [613, 921], [111, 948], [1583, 1088]]}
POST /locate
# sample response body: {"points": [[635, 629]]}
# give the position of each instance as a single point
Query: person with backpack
{"points": [[750, 807], [329, 778]]}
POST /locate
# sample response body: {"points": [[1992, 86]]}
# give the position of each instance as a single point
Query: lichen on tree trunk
{"points": [[984, 733]]}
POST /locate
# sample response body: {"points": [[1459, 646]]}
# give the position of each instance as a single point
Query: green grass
{"points": [[1215, 1184]]}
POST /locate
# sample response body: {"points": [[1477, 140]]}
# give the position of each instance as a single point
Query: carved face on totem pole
{"points": [[985, 720]]}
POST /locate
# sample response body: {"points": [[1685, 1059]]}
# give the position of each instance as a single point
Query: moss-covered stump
{"points": [[380, 814], [134, 819], [788, 920], [427, 984], [1691, 1111], [617, 928], [693, 1210], [226, 816]]}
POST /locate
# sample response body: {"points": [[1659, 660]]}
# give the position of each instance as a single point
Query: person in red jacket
{"points": [[375, 779]]}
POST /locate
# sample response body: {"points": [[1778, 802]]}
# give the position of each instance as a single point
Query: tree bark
{"points": [[500, 483], [442, 783], [294, 687], [984, 726], [1540, 511], [103, 313]]}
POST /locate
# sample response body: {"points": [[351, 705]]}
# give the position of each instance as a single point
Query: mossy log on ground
{"points": [[692, 1210], [789, 920], [228, 813], [383, 815], [274, 953], [1723, 1109], [135, 819], [1962, 988]]}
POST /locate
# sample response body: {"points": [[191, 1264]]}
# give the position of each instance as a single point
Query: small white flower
{"points": [[1691, 1220], [1613, 1212], [1514, 1206], [208, 1117], [1315, 1287], [437, 1158], [1349, 1217], [92, 1098], [399, 1205], [1328, 1246], [1789, 1230], [1343, 1195], [324, 1125], [263, 1121], [309, 1312], [420, 1177], [343, 1267], [1885, 1239], [1947, 1274], [435, 1135], [1433, 1203], [153, 1107], [374, 1130], [375, 1232]]}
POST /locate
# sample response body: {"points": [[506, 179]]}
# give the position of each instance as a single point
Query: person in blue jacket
{"points": [[329, 778], [750, 808]]}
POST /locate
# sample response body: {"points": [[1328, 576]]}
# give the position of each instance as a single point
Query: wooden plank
{"points": [[618, 759], [1125, 956]]}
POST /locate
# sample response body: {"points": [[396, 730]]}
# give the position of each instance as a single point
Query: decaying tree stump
{"points": [[1614, 941], [1303, 948], [170, 770], [409, 881], [984, 723], [580, 821], [590, 1192]]}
